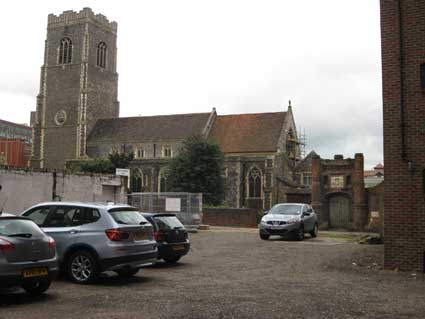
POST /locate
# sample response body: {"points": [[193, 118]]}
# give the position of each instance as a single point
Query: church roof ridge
{"points": [[159, 115], [257, 113]]}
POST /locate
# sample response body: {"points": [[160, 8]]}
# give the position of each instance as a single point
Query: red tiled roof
{"points": [[246, 133]]}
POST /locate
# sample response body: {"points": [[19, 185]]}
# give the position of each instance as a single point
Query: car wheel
{"points": [[127, 272], [172, 260], [37, 288], [300, 233], [264, 236], [315, 230], [82, 267]]}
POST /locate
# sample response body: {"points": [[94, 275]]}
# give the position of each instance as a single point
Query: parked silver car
{"points": [[96, 237], [283, 219], [27, 255]]}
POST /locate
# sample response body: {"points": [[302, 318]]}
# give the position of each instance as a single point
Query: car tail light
{"points": [[117, 234], [6, 245], [159, 236], [51, 243]]}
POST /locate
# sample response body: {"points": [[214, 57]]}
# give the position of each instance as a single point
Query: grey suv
{"points": [[92, 238], [283, 219]]}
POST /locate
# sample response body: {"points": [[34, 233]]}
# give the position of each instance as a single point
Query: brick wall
{"points": [[403, 98], [235, 217]]}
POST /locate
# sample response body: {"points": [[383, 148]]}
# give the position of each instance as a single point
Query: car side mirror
{"points": [[266, 212], [306, 213], [310, 210]]}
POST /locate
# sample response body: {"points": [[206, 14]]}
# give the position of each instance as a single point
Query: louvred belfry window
{"points": [[101, 55], [65, 51]]}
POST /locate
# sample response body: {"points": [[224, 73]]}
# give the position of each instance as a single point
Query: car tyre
{"points": [[300, 233], [315, 230], [127, 272], [37, 288], [264, 236], [82, 267], [172, 260]]}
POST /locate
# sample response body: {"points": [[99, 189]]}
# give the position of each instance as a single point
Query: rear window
{"points": [[14, 227], [128, 217], [168, 223]]}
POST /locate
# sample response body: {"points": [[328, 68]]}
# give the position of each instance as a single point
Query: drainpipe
{"points": [[402, 106]]}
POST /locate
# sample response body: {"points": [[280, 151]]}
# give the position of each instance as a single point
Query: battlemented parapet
{"points": [[73, 17]]}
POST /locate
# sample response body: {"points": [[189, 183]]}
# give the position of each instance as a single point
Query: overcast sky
{"points": [[240, 56]]}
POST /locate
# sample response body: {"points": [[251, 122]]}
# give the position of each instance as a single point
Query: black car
{"points": [[171, 236]]}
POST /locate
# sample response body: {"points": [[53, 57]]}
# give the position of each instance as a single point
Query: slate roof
{"points": [[245, 133], [148, 128]]}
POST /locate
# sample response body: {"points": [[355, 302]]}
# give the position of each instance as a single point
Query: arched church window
{"points": [[137, 181], [101, 55], [163, 179], [290, 143], [65, 51], [254, 182]]}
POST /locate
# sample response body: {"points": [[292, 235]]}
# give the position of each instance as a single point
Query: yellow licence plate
{"points": [[35, 272], [140, 236], [178, 247]]}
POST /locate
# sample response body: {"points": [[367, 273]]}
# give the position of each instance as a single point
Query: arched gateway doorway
{"points": [[340, 211]]}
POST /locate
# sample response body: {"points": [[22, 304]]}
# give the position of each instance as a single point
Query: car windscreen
{"points": [[286, 209], [19, 228], [128, 217], [168, 223]]}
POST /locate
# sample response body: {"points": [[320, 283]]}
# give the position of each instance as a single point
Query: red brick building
{"points": [[403, 73], [15, 144]]}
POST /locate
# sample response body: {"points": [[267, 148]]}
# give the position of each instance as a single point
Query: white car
{"points": [[289, 218]]}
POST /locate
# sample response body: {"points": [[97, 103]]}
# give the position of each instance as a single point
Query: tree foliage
{"points": [[198, 168], [104, 165]]}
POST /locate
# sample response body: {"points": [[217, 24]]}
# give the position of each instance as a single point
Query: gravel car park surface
{"points": [[231, 273]]}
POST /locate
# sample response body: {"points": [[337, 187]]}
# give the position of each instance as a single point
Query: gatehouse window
{"points": [[254, 183], [101, 55], [348, 182], [65, 51]]}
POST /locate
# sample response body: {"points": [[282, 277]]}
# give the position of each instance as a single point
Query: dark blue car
{"points": [[171, 236]]}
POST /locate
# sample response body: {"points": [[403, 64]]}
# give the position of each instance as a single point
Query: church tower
{"points": [[78, 86]]}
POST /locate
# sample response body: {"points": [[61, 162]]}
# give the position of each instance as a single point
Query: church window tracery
{"points": [[101, 55], [65, 51], [254, 183]]}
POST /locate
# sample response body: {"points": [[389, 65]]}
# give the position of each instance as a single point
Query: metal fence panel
{"points": [[186, 206]]}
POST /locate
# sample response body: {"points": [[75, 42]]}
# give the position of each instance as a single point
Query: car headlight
{"points": [[293, 221], [263, 222]]}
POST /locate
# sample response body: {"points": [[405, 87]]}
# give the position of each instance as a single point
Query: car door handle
{"points": [[73, 231]]}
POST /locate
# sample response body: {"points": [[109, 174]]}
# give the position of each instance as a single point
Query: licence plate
{"points": [[140, 236], [35, 272], [178, 247], [276, 227]]}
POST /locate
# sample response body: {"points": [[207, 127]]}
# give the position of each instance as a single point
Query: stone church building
{"points": [[77, 116]]}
